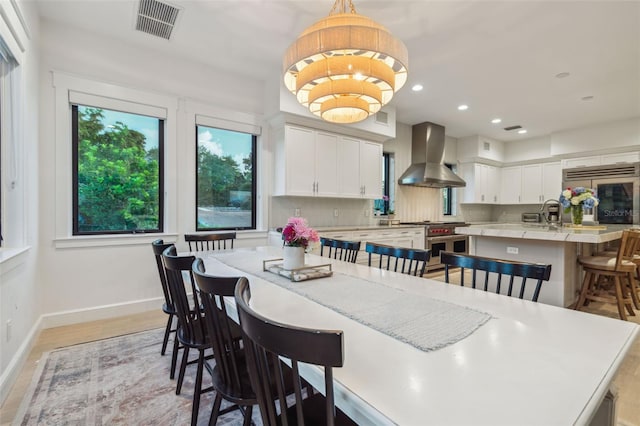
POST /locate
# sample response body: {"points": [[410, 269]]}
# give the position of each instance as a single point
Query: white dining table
{"points": [[529, 364]]}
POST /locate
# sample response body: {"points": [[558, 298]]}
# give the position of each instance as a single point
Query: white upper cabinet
{"points": [[598, 160], [326, 164], [510, 185], [483, 185], [551, 181], [371, 169], [531, 183], [315, 163], [349, 167], [531, 191]]}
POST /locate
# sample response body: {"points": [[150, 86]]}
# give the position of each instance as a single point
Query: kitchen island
{"points": [[558, 246]]}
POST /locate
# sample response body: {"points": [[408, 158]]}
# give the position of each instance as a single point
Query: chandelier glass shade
{"points": [[345, 67]]}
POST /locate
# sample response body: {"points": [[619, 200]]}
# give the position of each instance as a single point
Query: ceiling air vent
{"points": [[156, 18], [631, 170], [510, 128], [382, 117]]}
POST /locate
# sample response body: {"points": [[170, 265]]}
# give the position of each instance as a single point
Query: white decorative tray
{"points": [[307, 272]]}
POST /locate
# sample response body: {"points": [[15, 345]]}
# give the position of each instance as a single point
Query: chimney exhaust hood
{"points": [[427, 167]]}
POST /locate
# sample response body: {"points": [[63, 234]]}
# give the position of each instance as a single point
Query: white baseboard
{"points": [[57, 319], [95, 313], [11, 373]]}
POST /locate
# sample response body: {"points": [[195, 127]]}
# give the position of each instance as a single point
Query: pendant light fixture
{"points": [[345, 67]]}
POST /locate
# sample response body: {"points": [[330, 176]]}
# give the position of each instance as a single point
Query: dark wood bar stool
{"points": [[619, 271]]}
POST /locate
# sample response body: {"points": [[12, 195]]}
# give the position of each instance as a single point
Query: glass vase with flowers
{"points": [[297, 236], [577, 200]]}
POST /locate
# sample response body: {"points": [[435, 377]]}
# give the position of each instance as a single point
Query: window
{"points": [[117, 171], [386, 205], [448, 201], [225, 179]]}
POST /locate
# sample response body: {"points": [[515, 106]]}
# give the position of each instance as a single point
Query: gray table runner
{"points": [[425, 323]]}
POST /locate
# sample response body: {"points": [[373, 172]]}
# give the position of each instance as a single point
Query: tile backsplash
{"points": [[320, 212]]}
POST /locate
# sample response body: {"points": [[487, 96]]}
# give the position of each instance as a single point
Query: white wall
{"points": [[82, 281], [19, 290]]}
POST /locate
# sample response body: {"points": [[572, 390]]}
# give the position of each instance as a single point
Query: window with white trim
{"points": [[225, 179], [117, 171]]}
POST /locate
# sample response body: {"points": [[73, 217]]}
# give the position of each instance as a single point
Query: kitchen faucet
{"points": [[553, 218]]}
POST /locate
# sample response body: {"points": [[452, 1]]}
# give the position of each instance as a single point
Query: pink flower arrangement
{"points": [[298, 234]]}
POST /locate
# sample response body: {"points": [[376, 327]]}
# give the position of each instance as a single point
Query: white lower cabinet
{"points": [[397, 237]]}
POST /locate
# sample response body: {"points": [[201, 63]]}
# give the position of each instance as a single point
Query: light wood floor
{"points": [[627, 381]]}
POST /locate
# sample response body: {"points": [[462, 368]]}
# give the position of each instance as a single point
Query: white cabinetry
{"points": [[601, 160], [510, 185], [482, 183], [320, 164], [531, 183], [397, 237], [359, 168], [371, 169], [551, 181]]}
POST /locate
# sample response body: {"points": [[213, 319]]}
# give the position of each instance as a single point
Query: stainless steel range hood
{"points": [[427, 159]]}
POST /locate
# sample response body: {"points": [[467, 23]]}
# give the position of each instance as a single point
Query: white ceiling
{"points": [[499, 57]]}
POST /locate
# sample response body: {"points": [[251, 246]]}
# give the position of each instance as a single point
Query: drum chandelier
{"points": [[345, 67]]}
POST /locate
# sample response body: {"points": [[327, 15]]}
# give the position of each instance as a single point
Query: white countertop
{"points": [[535, 231], [528, 354], [346, 228]]}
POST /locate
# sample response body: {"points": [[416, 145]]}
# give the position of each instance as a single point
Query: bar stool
{"points": [[621, 270], [635, 293]]}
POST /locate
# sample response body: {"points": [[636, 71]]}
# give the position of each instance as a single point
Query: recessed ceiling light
{"points": [[496, 120], [587, 98], [417, 87], [562, 75], [522, 131], [463, 107]]}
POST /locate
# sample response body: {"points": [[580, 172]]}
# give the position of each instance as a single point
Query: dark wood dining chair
{"points": [[517, 272], [340, 249], [159, 246], [205, 242], [192, 332], [230, 376], [399, 259], [266, 341], [620, 270]]}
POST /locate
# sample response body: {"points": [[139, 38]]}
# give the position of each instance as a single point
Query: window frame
{"points": [[254, 185], [447, 202], [75, 158], [69, 88]]}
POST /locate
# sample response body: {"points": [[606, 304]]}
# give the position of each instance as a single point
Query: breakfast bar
{"points": [[555, 245]]}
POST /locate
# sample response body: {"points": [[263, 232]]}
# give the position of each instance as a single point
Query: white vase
{"points": [[293, 257]]}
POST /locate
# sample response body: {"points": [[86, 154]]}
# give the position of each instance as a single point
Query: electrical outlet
{"points": [[512, 250], [335, 212], [297, 212], [366, 212], [9, 326]]}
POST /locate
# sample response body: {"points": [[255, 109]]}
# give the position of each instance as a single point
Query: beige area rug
{"points": [[118, 381]]}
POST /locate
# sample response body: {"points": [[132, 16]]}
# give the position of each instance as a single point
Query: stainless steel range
{"points": [[441, 236]]}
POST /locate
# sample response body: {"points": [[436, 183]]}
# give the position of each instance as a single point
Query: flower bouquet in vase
{"points": [[577, 200], [297, 236]]}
